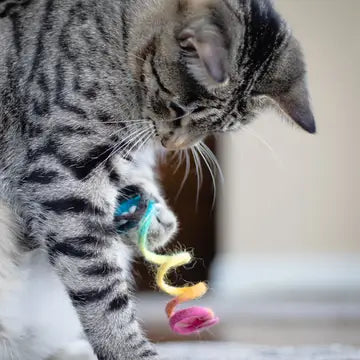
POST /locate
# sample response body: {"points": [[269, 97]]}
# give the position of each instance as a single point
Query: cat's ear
{"points": [[205, 43], [286, 85], [296, 105], [207, 55]]}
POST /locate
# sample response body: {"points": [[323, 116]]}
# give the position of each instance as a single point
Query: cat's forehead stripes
{"points": [[264, 33]]}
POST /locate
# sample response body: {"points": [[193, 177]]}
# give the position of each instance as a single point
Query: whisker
{"points": [[213, 159], [141, 139], [136, 140], [173, 155], [128, 138], [126, 145], [133, 138], [186, 175], [133, 126], [200, 165], [262, 141], [211, 173], [198, 176], [115, 150], [146, 140], [180, 155], [123, 146]]}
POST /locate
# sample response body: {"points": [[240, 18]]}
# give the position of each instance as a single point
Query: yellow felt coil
{"points": [[167, 263]]}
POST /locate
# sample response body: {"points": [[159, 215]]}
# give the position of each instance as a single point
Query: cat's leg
{"points": [[29, 293], [75, 220], [11, 252], [49, 320], [11, 255]]}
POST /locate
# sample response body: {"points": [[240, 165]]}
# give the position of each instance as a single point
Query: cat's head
{"points": [[210, 65]]}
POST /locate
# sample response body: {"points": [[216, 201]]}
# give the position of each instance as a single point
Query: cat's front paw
{"points": [[131, 209], [163, 226]]}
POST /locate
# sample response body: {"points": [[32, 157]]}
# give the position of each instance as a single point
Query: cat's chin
{"points": [[179, 143]]}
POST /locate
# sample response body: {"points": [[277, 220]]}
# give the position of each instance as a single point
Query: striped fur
{"points": [[88, 92]]}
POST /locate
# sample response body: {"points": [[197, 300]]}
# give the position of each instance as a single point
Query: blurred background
{"points": [[281, 246]]}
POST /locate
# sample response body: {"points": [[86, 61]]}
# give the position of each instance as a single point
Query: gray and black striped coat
{"points": [[89, 93]]}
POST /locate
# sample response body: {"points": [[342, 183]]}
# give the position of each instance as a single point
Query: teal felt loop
{"points": [[125, 206], [123, 210]]}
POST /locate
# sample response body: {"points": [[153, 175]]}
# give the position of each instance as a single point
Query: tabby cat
{"points": [[90, 90]]}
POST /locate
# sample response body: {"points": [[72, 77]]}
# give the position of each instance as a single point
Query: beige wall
{"points": [[303, 196]]}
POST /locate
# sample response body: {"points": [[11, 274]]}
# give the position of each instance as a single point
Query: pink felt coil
{"points": [[192, 319]]}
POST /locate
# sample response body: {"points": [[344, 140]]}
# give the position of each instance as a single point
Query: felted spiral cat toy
{"points": [[186, 321]]}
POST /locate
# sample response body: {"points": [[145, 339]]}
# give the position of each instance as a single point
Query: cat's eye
{"points": [[179, 111], [186, 43], [188, 48]]}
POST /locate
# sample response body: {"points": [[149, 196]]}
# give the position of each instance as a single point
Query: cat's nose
{"points": [[163, 142], [171, 141], [165, 139]]}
